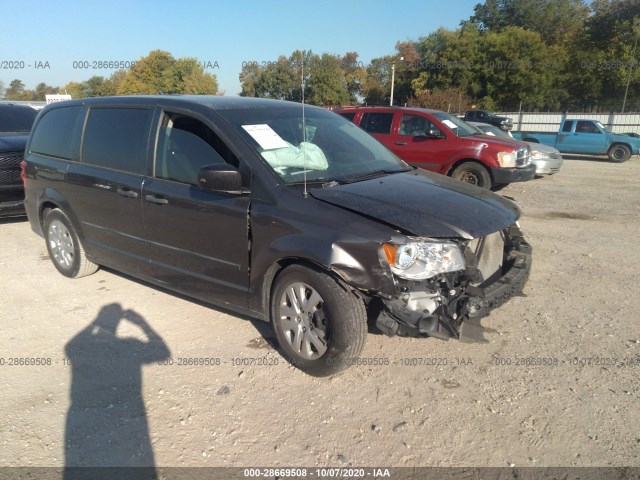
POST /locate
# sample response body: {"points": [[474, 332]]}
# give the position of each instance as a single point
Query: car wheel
{"points": [[321, 327], [472, 173], [619, 153], [64, 248]]}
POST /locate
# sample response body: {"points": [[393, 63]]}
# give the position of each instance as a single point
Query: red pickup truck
{"points": [[444, 144]]}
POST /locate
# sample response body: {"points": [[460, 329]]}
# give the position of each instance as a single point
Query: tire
{"points": [[327, 330], [619, 153], [64, 248], [472, 173]]}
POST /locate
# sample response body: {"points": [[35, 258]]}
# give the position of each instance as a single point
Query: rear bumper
{"points": [[512, 175]]}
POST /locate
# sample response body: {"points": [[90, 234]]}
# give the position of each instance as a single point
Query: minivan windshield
{"points": [[328, 149], [457, 126]]}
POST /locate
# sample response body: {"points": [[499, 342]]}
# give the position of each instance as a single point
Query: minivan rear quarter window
{"points": [[54, 130], [117, 138]]}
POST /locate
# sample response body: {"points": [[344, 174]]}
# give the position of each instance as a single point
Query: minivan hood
{"points": [[424, 204]]}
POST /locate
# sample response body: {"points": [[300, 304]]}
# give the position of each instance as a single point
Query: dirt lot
{"points": [[556, 385]]}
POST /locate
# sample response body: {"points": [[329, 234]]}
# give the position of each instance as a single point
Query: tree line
{"points": [[531, 54], [158, 72]]}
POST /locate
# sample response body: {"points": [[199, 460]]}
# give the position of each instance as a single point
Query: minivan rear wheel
{"points": [[472, 173], [64, 247], [321, 327]]}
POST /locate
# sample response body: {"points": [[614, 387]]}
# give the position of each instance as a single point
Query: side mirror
{"points": [[220, 177], [434, 133]]}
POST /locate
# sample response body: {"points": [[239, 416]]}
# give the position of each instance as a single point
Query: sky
{"points": [[54, 42]]}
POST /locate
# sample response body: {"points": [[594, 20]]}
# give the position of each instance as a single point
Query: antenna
{"points": [[304, 125]]}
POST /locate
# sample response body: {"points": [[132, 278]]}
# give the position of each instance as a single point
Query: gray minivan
{"points": [[285, 213]]}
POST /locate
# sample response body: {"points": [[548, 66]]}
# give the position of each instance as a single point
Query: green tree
{"points": [[42, 89], [159, 72], [111, 85], [555, 20], [2, 89], [15, 91], [327, 83], [377, 84]]}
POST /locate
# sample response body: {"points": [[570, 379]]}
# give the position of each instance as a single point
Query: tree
{"points": [[15, 91], [1, 89], [377, 85], [159, 72], [555, 20], [329, 79], [327, 84], [42, 89]]}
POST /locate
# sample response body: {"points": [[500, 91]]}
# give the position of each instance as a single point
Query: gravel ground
{"points": [[557, 384]]}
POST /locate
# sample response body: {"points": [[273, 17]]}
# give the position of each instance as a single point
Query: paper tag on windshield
{"points": [[266, 137], [449, 124]]}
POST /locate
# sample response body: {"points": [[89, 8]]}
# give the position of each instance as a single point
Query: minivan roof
{"points": [[212, 101]]}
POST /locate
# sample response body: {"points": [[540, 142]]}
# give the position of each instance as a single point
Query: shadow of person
{"points": [[107, 423]]}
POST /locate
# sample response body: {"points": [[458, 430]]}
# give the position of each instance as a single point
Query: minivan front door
{"points": [[197, 240]]}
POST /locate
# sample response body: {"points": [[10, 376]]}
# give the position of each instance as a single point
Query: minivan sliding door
{"points": [[105, 187]]}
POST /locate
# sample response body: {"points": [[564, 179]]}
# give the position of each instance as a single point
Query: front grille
{"points": [[10, 168], [490, 253], [554, 155], [12, 159], [523, 157]]}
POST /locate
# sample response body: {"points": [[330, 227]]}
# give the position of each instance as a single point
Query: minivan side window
{"points": [[117, 138], [57, 130], [185, 145], [377, 122]]}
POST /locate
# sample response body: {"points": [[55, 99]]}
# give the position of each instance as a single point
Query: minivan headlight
{"points": [[419, 259], [507, 159]]}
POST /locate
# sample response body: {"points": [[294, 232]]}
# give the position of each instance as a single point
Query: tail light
{"points": [[23, 172]]}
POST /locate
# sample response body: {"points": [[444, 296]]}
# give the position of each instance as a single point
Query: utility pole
{"points": [[633, 62], [393, 79]]}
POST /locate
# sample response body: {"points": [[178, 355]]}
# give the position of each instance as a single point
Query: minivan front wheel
{"points": [[472, 173], [64, 247], [321, 327]]}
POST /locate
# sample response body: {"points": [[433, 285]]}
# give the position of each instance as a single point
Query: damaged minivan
{"points": [[282, 212]]}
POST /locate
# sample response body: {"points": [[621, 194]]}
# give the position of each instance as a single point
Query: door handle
{"points": [[154, 199], [401, 143], [125, 192]]}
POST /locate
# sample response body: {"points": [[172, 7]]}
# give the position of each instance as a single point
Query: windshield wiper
{"points": [[375, 173]]}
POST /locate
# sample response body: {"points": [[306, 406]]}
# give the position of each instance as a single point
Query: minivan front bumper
{"points": [[440, 308]]}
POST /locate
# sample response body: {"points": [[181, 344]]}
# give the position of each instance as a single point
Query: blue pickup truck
{"points": [[587, 137]]}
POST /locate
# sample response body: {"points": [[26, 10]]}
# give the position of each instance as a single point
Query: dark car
{"points": [[15, 123], [484, 116], [288, 214]]}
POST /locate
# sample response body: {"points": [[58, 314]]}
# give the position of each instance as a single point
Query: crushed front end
{"points": [[457, 281]]}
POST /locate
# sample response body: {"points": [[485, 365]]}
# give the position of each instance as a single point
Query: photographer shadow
{"points": [[107, 433]]}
